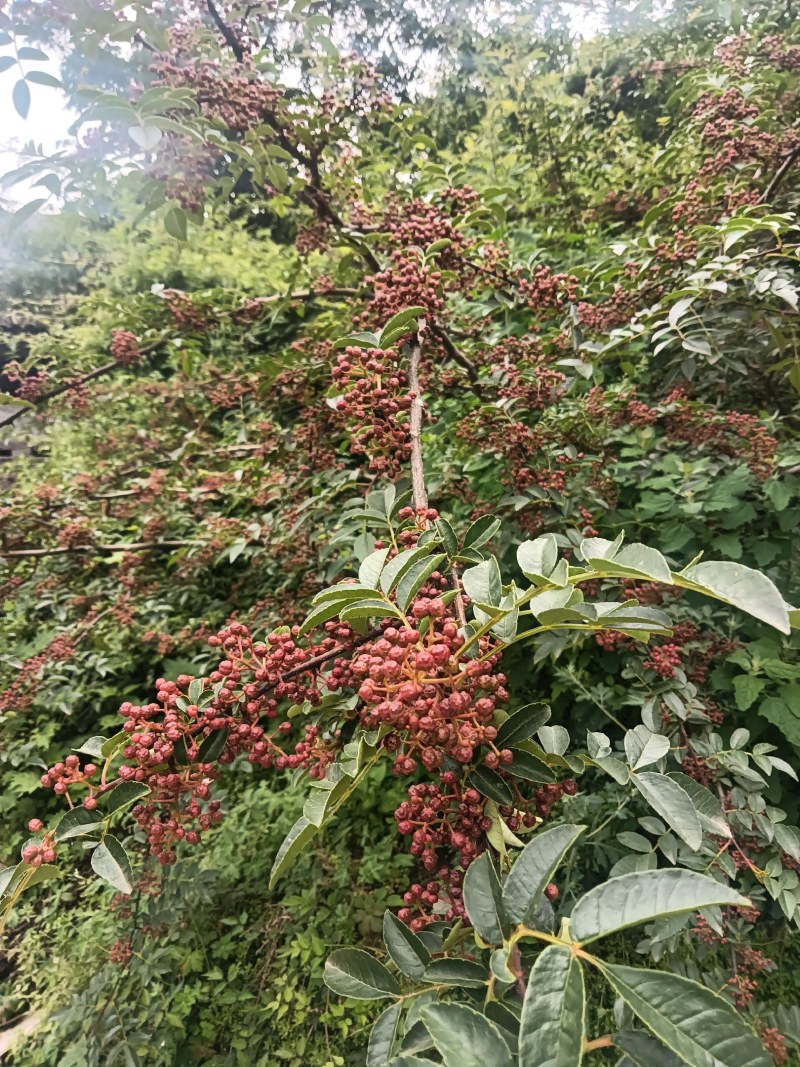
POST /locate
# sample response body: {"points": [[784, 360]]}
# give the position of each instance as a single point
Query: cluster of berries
{"points": [[375, 405]]}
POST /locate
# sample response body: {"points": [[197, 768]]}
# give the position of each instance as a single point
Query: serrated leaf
{"points": [[697, 1025], [644, 1050], [643, 897], [397, 567], [414, 578], [465, 1038], [370, 570], [481, 531], [522, 724], [76, 823], [483, 583], [553, 1023], [352, 972], [534, 868], [213, 746], [404, 947], [456, 972]]}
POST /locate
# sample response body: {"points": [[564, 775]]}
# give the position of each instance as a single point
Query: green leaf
{"points": [[644, 1050], [213, 746], [21, 98], [41, 77], [645, 896], [740, 586], [529, 767], [329, 795], [481, 531], [76, 822], [553, 1023], [176, 223], [93, 746], [414, 578], [673, 804], [383, 1035], [491, 785], [329, 609], [482, 583], [27, 52], [402, 318], [124, 794], [370, 570], [537, 559], [534, 868], [147, 138], [465, 1038], [110, 861], [642, 747], [747, 689], [405, 948], [456, 972], [705, 804], [354, 973], [369, 609], [397, 567], [697, 1025], [483, 900], [633, 561]]}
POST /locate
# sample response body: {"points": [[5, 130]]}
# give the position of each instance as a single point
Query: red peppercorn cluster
{"points": [[543, 289], [437, 705], [35, 853], [664, 660], [374, 405], [125, 348], [29, 386], [61, 776], [407, 283]]}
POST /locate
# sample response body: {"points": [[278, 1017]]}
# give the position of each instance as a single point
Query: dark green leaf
{"points": [[405, 948], [534, 868], [697, 1025], [124, 794], [491, 785], [383, 1035], [673, 804], [351, 972], [522, 724], [645, 896], [483, 899], [456, 972], [464, 1037], [553, 1023]]}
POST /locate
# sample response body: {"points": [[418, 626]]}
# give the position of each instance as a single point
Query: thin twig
{"points": [[105, 550], [458, 357], [779, 175], [419, 495]]}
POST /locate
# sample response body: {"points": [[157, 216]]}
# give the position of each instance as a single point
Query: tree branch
{"points": [[779, 175], [103, 550], [458, 357], [419, 495], [231, 39]]}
